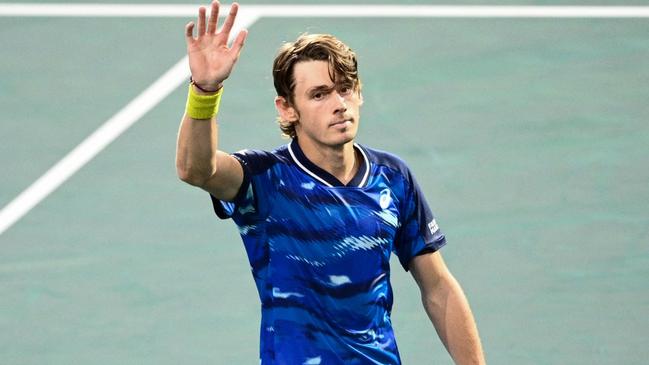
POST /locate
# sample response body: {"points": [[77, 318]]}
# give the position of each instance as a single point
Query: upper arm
{"points": [[428, 270], [226, 181], [419, 233]]}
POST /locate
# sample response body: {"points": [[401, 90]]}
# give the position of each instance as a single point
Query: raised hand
{"points": [[210, 59]]}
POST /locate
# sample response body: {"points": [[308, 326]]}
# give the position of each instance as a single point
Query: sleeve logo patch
{"points": [[433, 227]]}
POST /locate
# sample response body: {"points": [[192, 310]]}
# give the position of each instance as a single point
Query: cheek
{"points": [[354, 101], [318, 113], [354, 108]]}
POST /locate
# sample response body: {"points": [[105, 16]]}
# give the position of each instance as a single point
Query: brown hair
{"points": [[343, 67]]}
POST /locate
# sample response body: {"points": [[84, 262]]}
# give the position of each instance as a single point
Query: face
{"points": [[326, 114]]}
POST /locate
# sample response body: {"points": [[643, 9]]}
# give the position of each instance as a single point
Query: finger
{"points": [[189, 32], [214, 17], [227, 26], [201, 21], [238, 43]]}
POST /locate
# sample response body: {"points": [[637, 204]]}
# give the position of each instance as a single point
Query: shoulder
{"points": [[256, 161], [387, 160]]}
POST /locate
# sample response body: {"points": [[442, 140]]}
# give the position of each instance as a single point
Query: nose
{"points": [[341, 105]]}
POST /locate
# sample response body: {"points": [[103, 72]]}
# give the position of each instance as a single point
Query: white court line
{"points": [[446, 11], [462, 11], [103, 136]]}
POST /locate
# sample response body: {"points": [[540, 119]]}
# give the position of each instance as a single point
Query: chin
{"points": [[344, 138]]}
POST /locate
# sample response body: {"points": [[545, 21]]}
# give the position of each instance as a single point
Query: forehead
{"points": [[309, 74]]}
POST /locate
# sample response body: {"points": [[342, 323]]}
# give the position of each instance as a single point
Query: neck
{"points": [[340, 161]]}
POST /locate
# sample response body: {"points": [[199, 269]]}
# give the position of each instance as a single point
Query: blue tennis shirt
{"points": [[319, 252]]}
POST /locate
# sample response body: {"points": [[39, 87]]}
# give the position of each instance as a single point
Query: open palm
{"points": [[210, 59]]}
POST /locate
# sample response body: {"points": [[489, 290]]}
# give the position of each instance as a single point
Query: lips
{"points": [[343, 121]]}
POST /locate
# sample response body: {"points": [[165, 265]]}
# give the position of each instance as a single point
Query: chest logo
{"points": [[385, 199]]}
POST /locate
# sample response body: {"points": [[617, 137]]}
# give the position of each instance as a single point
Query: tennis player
{"points": [[320, 216]]}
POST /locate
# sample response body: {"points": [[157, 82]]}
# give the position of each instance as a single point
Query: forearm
{"points": [[196, 150], [449, 311]]}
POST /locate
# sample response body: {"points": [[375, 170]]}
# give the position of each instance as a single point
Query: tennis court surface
{"points": [[529, 136]]}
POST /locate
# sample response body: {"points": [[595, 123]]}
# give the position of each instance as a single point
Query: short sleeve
{"points": [[248, 205], [419, 233]]}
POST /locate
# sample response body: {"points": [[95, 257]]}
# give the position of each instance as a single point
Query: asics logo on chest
{"points": [[385, 199]]}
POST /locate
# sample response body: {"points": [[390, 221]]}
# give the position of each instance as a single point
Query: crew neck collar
{"points": [[300, 159]]}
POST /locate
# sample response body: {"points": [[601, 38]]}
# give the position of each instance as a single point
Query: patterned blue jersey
{"points": [[319, 252]]}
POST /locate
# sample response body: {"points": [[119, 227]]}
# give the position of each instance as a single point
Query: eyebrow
{"points": [[320, 88]]}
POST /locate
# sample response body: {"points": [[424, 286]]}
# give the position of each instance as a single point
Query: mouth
{"points": [[341, 123]]}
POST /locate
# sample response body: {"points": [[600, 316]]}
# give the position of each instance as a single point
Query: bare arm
{"points": [[198, 160], [447, 308]]}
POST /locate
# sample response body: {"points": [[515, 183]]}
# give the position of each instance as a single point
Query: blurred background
{"points": [[530, 138]]}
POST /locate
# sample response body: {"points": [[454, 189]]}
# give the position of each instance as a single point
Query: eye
{"points": [[318, 95], [345, 90]]}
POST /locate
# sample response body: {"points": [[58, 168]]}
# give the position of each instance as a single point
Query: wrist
{"points": [[205, 88], [202, 106]]}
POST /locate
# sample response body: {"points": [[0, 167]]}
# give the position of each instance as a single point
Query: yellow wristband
{"points": [[202, 106]]}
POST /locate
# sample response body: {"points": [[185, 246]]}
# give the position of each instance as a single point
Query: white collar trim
{"points": [[315, 176]]}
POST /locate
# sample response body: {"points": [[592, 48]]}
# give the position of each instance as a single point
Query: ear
{"points": [[360, 95], [285, 110]]}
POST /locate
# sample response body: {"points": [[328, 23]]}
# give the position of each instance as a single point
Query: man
{"points": [[320, 216]]}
